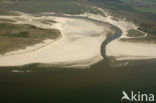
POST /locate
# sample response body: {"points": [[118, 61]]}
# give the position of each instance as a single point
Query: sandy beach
{"points": [[79, 44], [126, 50]]}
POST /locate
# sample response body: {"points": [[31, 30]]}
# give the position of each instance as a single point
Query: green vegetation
{"points": [[145, 10], [58, 6], [148, 39], [6, 20], [19, 36], [149, 30], [135, 33], [7, 12], [142, 6], [139, 11], [132, 9]]}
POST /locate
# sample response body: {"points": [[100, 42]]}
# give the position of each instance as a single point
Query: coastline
{"points": [[98, 51], [70, 50]]}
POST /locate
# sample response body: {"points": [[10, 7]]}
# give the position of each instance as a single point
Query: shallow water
{"points": [[102, 83]]}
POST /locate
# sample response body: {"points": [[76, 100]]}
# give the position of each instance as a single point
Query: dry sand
{"points": [[126, 50], [80, 42], [79, 45]]}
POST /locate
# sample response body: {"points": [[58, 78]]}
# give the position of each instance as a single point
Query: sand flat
{"points": [[81, 41]]}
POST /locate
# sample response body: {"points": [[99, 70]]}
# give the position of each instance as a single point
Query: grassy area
{"points": [[135, 33], [138, 11], [7, 12], [145, 10], [18, 36], [58, 6], [142, 6], [144, 1], [148, 39], [119, 8], [6, 20], [149, 30]]}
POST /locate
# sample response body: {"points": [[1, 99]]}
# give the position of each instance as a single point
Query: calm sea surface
{"points": [[102, 83]]}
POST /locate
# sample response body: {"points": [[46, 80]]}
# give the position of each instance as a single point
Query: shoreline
{"points": [[105, 51], [91, 56]]}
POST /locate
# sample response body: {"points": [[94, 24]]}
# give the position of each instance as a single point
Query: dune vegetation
{"points": [[135, 33], [19, 36]]}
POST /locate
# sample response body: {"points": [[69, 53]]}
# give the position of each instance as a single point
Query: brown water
{"points": [[101, 83]]}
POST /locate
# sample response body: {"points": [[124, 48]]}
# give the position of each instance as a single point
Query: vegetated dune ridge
{"points": [[79, 45]]}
